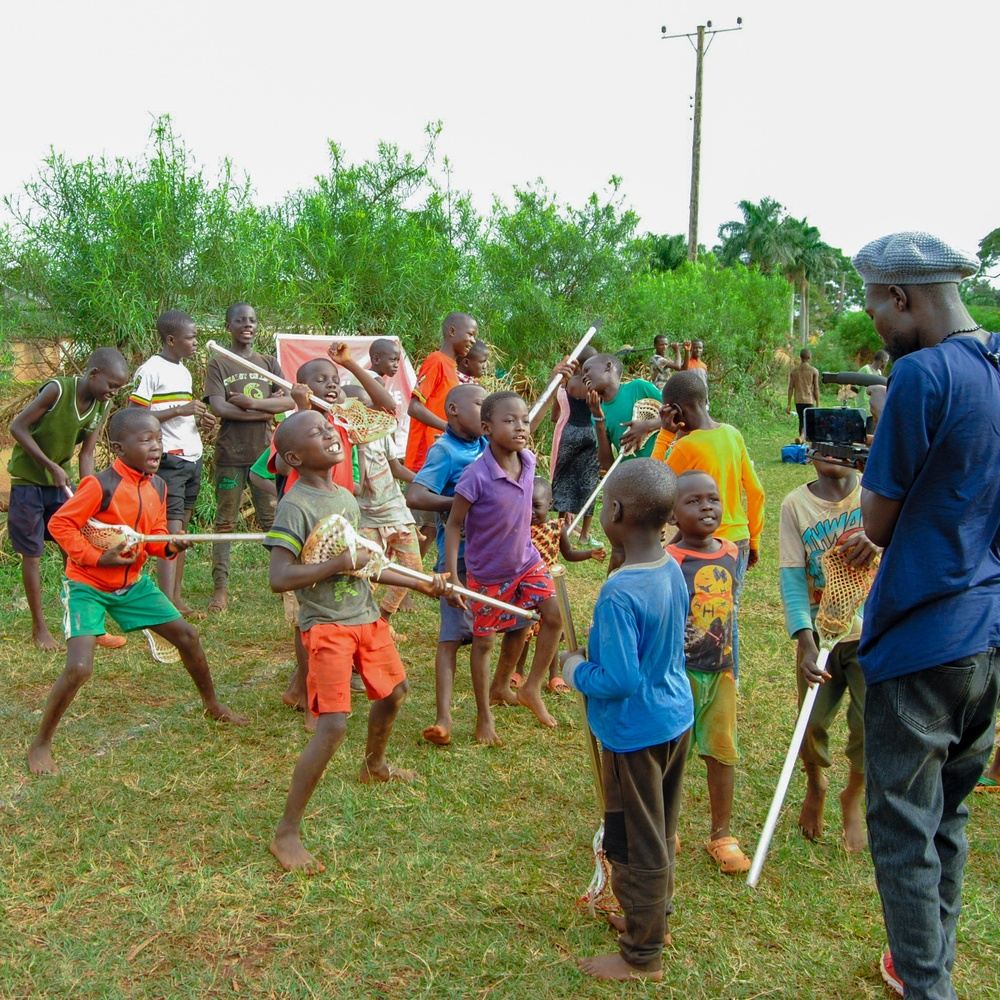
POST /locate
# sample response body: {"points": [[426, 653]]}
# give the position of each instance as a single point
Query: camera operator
{"points": [[928, 648]]}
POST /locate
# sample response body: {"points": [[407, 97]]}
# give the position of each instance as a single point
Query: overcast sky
{"points": [[866, 117]]}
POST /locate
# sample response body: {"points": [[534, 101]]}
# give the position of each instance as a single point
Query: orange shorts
{"points": [[334, 649]]}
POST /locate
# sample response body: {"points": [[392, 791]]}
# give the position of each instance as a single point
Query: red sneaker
{"points": [[111, 641], [889, 975]]}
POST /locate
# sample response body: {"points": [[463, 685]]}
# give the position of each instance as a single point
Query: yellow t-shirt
{"points": [[722, 453]]}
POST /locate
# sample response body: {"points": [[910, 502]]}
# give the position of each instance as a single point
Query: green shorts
{"points": [[142, 605], [714, 715]]}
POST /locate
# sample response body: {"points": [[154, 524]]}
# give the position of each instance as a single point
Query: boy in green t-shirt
{"points": [[66, 411], [611, 403]]}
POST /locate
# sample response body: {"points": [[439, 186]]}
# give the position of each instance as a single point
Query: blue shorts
{"points": [[456, 624], [28, 517]]}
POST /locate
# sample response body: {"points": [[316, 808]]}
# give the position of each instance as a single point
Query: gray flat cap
{"points": [[913, 259]]}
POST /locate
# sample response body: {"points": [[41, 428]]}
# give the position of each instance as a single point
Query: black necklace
{"points": [[956, 333]]}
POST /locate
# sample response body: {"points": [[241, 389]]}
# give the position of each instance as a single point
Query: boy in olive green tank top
{"points": [[66, 411]]}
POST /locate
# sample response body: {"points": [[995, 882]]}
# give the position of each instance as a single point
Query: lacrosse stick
{"points": [[598, 895], [362, 425], [556, 381], [644, 409], [844, 594], [334, 535]]}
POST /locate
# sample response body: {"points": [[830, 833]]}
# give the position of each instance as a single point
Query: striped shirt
{"points": [[162, 385]]}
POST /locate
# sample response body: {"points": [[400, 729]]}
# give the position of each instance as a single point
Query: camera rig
{"points": [[839, 434]]}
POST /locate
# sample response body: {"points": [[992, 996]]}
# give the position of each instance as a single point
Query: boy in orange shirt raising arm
{"points": [[705, 445], [111, 582]]}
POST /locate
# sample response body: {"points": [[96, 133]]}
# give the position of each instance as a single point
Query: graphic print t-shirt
{"points": [[711, 582], [240, 441]]}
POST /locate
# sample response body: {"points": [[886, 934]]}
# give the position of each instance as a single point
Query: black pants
{"points": [[642, 800], [800, 409]]}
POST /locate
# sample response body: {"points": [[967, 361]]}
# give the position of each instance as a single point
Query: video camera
{"points": [[839, 434]]}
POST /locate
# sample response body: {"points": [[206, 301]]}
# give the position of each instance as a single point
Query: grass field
{"points": [[142, 869]]}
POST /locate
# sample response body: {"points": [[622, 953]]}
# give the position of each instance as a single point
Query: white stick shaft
{"points": [[784, 780], [415, 574], [593, 496], [276, 379], [557, 379], [245, 536]]}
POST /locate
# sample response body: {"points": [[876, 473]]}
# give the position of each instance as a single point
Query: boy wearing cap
{"points": [[929, 644]]}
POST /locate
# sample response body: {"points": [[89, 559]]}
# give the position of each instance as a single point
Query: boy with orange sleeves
{"points": [[717, 449]]}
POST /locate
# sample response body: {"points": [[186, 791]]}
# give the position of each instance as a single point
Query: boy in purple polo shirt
{"points": [[493, 504]]}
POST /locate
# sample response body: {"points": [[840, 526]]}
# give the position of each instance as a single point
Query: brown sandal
{"points": [[727, 855]]}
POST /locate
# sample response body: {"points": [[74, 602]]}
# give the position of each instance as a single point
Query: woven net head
{"points": [[644, 409], [843, 595], [362, 424], [109, 536], [334, 535]]}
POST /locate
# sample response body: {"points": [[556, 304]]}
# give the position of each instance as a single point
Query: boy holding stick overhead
{"points": [[493, 504], [66, 411], [110, 582], [340, 624], [640, 708], [815, 517]]}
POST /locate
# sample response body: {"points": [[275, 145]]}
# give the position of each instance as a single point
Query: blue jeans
{"points": [[928, 736]]}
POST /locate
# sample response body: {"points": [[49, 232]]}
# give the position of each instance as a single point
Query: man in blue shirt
{"points": [[931, 497]]}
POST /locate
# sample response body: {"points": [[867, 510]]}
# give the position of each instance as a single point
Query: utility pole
{"points": [[697, 41]]}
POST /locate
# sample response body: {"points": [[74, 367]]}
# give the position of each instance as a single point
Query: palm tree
{"points": [[759, 239], [810, 260]]}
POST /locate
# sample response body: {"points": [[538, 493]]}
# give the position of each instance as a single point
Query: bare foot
{"points": [[40, 759], [387, 772], [503, 696], [486, 734], [223, 713], [811, 816], [309, 721], [219, 602], [182, 606], [293, 857], [532, 699], [854, 826], [293, 699], [42, 638], [616, 921], [615, 967], [407, 605], [437, 734]]}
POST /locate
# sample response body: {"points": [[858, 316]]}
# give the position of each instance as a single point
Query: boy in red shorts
{"points": [[493, 504], [100, 582], [340, 624]]}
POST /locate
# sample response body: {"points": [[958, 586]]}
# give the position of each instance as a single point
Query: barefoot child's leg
{"points": [[530, 693], [31, 576], [512, 644], [185, 637], [811, 814], [79, 667], [331, 727], [445, 659], [479, 664], [852, 810], [381, 717], [853, 796]]}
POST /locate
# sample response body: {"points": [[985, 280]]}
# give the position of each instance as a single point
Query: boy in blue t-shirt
{"points": [[639, 706], [433, 489]]}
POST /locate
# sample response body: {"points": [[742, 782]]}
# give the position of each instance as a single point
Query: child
{"points": [[472, 366], [551, 539], [111, 582], [438, 375], [493, 504], [803, 387], [817, 516], [245, 403], [639, 707], [709, 568], [433, 489], [611, 402], [574, 463], [163, 386], [719, 450], [66, 411], [660, 364], [340, 626]]}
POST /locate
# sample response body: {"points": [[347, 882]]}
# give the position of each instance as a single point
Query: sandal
{"points": [[558, 686], [985, 784], [727, 855]]}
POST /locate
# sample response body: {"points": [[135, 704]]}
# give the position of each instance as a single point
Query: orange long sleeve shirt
{"points": [[118, 495], [722, 453]]}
